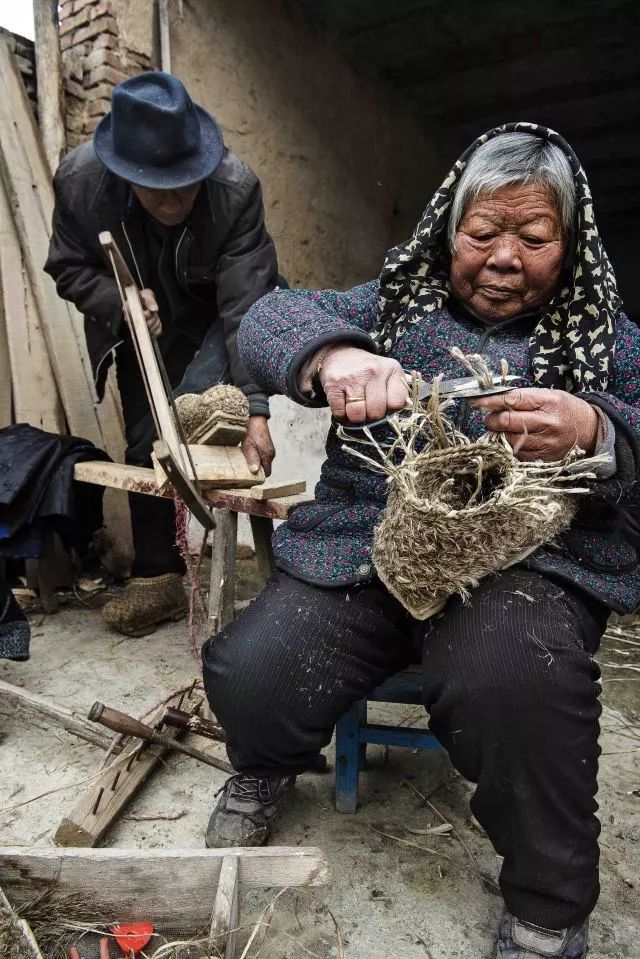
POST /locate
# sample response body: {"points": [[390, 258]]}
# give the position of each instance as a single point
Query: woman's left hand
{"points": [[541, 424]]}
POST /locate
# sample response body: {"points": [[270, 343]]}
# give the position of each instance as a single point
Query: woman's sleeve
{"points": [[622, 405], [285, 328]]}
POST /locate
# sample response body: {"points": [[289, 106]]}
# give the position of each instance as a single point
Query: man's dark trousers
{"points": [[510, 686]]}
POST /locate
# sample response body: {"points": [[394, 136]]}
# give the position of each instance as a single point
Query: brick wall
{"points": [[94, 59]]}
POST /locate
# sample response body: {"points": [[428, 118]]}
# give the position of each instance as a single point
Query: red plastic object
{"points": [[132, 937]]}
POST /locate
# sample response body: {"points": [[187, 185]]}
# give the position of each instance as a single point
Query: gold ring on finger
{"points": [[355, 399]]}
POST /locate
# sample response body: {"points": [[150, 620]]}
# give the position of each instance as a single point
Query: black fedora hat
{"points": [[156, 136]]}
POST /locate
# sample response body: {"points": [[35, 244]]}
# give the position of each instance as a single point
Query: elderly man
{"points": [[506, 261], [189, 219]]}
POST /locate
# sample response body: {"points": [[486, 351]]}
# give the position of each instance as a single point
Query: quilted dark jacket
{"points": [[224, 261], [329, 543]]}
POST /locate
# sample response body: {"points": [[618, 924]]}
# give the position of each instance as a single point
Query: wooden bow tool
{"points": [[171, 449]]}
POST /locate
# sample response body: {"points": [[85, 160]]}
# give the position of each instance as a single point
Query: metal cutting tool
{"points": [[462, 387]]}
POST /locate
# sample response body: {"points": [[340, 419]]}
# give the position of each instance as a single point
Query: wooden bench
{"points": [[262, 504]]}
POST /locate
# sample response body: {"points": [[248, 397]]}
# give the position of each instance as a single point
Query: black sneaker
{"points": [[246, 809], [522, 940]]}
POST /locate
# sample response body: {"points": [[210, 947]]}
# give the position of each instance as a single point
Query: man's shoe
{"points": [[246, 809], [522, 940], [145, 602]]}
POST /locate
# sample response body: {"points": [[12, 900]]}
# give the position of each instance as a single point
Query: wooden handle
{"points": [[119, 722], [193, 724], [119, 265]]}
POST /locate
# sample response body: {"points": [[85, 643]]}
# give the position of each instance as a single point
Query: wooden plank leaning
{"points": [[26, 177], [5, 368], [35, 394], [49, 79], [28, 185]]}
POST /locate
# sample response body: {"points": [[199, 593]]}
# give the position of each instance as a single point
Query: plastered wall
{"points": [[345, 168], [330, 148]]}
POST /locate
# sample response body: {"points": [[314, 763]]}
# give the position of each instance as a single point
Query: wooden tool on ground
{"points": [[129, 726], [100, 805]]}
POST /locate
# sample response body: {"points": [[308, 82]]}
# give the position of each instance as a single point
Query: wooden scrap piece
{"points": [[215, 466], [16, 939], [164, 885], [105, 799], [220, 429], [224, 918], [273, 490], [52, 712]]}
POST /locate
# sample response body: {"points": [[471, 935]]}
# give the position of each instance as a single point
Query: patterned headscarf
{"points": [[573, 343]]}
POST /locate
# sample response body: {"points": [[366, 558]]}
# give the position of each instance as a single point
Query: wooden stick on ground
{"points": [[16, 939], [52, 712]]}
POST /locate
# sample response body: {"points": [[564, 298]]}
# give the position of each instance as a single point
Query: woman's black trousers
{"points": [[510, 686]]}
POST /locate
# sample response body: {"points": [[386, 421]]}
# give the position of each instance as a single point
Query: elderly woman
{"points": [[506, 261]]}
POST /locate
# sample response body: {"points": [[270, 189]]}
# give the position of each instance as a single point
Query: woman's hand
{"points": [[541, 424], [361, 386], [257, 445]]}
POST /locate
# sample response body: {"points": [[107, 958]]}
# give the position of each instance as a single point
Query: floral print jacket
{"points": [[329, 543]]}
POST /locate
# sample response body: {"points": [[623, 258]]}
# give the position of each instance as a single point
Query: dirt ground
{"points": [[388, 897]]}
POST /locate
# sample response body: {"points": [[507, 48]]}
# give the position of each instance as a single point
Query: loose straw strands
{"points": [[459, 510]]}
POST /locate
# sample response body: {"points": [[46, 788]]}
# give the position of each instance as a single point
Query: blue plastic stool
{"points": [[353, 732]]}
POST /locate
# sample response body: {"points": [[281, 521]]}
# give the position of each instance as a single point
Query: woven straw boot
{"points": [[145, 603]]}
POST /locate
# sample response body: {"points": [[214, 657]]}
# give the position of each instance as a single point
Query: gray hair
{"points": [[515, 158]]}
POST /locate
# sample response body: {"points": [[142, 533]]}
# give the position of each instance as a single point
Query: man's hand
{"points": [[257, 445], [361, 386], [541, 424], [150, 309]]}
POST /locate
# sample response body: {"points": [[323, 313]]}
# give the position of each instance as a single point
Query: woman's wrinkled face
{"points": [[509, 252]]}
